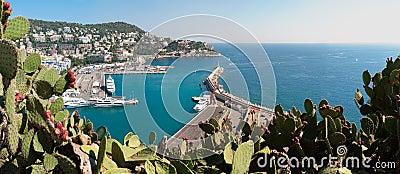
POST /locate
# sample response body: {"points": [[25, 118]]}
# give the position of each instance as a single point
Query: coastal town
{"points": [[65, 45]]}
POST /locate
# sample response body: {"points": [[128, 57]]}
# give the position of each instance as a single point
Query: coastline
{"points": [[216, 54]]}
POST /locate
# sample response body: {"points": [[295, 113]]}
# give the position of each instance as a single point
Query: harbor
{"points": [[95, 85], [221, 104]]}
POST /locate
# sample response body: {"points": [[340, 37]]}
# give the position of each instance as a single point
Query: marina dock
{"points": [[97, 73], [237, 108]]}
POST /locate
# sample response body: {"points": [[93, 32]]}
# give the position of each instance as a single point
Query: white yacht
{"points": [[109, 102], [202, 103], [72, 103], [72, 100], [110, 84]]}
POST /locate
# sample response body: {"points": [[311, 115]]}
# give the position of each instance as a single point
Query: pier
{"points": [[226, 104]]}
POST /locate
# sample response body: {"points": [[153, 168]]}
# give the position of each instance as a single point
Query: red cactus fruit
{"points": [[72, 79], [65, 137], [57, 131], [19, 97], [70, 73], [59, 125], [63, 131], [72, 84], [6, 5], [48, 114]]}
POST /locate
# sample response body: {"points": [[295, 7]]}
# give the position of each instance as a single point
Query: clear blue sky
{"points": [[268, 20]]}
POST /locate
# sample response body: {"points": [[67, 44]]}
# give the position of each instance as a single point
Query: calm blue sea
{"points": [[316, 71]]}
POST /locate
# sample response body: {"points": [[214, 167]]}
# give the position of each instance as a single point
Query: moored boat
{"points": [[109, 102], [110, 85]]}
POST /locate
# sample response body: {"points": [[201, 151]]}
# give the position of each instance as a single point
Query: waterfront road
{"points": [[192, 130]]}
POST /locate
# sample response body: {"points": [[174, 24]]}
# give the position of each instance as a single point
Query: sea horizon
{"points": [[317, 71]]}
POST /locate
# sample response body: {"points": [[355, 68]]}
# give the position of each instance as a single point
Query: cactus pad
{"points": [[183, 148], [246, 128], [26, 144], [152, 137], [17, 28], [366, 76], [214, 122], [149, 167], [51, 76], [12, 139], [131, 140], [93, 153], [57, 105], [35, 111], [181, 167], [367, 125], [66, 164], [289, 125], [101, 132], [8, 59], [337, 138], [10, 101], [278, 110], [118, 154], [308, 106], [229, 151], [22, 82], [32, 63], [242, 157], [391, 124], [207, 128], [43, 89], [365, 109], [61, 115], [49, 162], [61, 85], [101, 154], [37, 146]]}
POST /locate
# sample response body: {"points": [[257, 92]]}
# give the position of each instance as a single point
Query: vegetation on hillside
{"points": [[120, 27]]}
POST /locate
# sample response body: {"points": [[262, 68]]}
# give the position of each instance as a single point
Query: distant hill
{"points": [[120, 27], [113, 39]]}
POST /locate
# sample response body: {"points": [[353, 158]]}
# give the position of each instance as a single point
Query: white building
{"points": [[67, 29]]}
